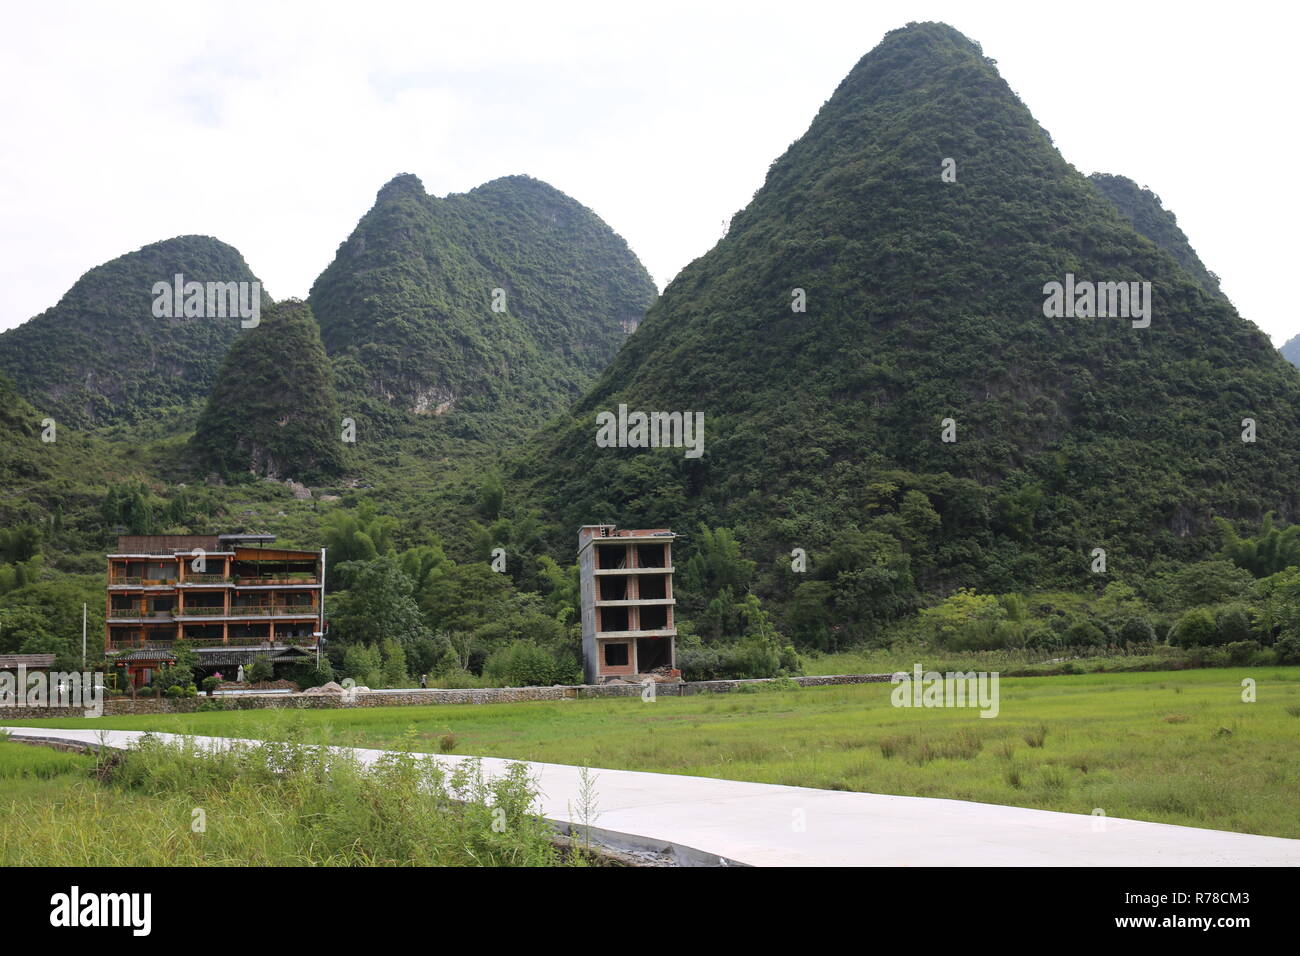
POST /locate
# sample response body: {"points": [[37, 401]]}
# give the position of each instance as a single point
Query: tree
{"points": [[260, 670], [23, 627], [962, 617], [394, 669], [1269, 552], [364, 664], [1195, 628], [1206, 582], [378, 605], [459, 597], [355, 537], [716, 565], [490, 496]]}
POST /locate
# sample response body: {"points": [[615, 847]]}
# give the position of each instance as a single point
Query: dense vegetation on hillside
{"points": [[925, 303], [272, 411], [1150, 218], [826, 511], [101, 356], [491, 309]]}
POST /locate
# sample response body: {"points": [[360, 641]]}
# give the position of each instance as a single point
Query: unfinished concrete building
{"points": [[628, 631]]}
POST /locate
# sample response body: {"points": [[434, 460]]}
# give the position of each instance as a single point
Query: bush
{"points": [[1287, 650], [1137, 630], [1233, 623], [175, 691], [309, 675], [1241, 653], [747, 658], [521, 664], [261, 669], [210, 684], [147, 690], [1196, 628], [1084, 634]]}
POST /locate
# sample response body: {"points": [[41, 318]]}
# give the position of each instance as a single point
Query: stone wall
{"points": [[390, 698]]}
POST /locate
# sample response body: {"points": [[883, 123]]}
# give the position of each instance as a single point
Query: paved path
{"points": [[704, 820]]}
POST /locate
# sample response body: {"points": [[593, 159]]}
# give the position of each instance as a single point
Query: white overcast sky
{"points": [[272, 125]]}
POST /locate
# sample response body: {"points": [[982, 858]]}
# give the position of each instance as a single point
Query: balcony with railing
{"points": [[276, 580], [280, 642], [118, 613], [272, 610]]}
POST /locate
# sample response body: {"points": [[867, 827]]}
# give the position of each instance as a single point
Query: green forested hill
{"points": [[406, 307], [272, 411], [1150, 218], [101, 356], [925, 303]]}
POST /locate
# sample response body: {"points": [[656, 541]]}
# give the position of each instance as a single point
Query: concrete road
{"points": [[703, 821]]}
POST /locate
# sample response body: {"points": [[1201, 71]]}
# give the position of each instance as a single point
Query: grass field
{"points": [[1173, 747], [263, 806]]}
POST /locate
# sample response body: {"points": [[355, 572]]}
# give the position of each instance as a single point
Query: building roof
{"points": [[240, 545], [144, 654], [227, 657], [166, 543], [30, 661]]}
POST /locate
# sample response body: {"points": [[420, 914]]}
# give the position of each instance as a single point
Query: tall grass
{"points": [[278, 804]]}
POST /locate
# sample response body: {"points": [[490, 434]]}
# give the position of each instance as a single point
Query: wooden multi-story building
{"points": [[627, 602], [223, 593]]}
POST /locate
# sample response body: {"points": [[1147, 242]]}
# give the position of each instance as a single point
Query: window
{"points": [[612, 618], [651, 556], [652, 587], [616, 655], [654, 617]]}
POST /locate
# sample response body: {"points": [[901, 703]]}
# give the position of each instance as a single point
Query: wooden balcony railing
{"points": [[284, 579], [255, 641], [268, 610]]}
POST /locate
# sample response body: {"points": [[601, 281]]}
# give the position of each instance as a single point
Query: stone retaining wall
{"points": [[469, 695]]}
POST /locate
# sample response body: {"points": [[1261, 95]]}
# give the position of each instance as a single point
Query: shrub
{"points": [[521, 664], [1084, 634], [1233, 623], [308, 674], [750, 657], [261, 669], [1137, 630], [1196, 628], [1288, 650], [210, 684], [1242, 652]]}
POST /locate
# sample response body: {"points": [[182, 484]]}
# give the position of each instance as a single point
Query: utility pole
{"points": [[83, 636], [320, 636]]}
